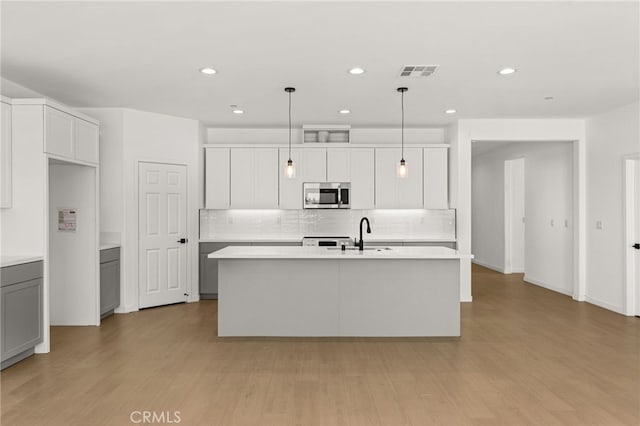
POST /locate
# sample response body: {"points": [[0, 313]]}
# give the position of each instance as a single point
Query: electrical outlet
{"points": [[599, 224]]}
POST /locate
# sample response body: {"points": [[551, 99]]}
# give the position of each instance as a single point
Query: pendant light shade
{"points": [[289, 169], [403, 169]]}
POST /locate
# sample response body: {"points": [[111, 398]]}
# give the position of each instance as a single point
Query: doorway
{"points": [[162, 230], [514, 219], [632, 233]]}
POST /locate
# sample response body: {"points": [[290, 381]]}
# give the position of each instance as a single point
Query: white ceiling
{"points": [[146, 55]]}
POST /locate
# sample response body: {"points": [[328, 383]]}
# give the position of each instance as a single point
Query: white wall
{"points": [[548, 199], [128, 137], [610, 136]]}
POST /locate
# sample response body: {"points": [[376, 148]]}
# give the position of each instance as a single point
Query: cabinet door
{"points": [[5, 158], [254, 178], [58, 132], [217, 185], [310, 165], [355, 165], [242, 178], [21, 317], [265, 178], [391, 191], [209, 269], [436, 169], [362, 178], [109, 286], [86, 141]]}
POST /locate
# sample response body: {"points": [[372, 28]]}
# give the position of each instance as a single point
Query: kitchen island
{"points": [[320, 291]]}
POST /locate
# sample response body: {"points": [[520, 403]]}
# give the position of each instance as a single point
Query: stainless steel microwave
{"points": [[327, 195]]}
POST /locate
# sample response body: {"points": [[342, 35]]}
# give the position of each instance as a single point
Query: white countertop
{"points": [[276, 239], [106, 246], [18, 259], [292, 252]]}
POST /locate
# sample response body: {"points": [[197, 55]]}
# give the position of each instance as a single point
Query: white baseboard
{"points": [[605, 305], [488, 265], [540, 283]]}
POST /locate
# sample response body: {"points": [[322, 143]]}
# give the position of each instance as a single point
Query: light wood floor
{"points": [[527, 356]]}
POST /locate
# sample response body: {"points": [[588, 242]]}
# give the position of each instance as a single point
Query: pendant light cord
{"points": [[289, 126], [402, 125]]}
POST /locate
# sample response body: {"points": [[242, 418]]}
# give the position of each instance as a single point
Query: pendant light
{"points": [[403, 170], [289, 170]]}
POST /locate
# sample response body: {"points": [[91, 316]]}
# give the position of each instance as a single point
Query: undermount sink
{"points": [[356, 248]]}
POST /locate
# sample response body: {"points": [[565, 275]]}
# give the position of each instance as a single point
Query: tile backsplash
{"points": [[438, 225]]}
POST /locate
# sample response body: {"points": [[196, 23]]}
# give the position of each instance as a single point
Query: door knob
{"points": [[636, 246], [183, 240]]}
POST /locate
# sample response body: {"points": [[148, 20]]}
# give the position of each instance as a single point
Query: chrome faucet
{"points": [[361, 242]]}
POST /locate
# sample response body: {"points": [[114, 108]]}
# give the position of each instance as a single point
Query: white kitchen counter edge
{"points": [[298, 240], [266, 252], [18, 260]]}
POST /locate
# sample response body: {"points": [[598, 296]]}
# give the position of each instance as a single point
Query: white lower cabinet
{"points": [[391, 191], [310, 165], [70, 137], [355, 165], [254, 178]]}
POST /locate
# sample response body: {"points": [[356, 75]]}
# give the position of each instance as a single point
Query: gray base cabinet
{"points": [[209, 267], [21, 311], [109, 281]]}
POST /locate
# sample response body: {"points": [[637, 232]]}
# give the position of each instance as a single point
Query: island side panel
{"points": [[277, 297], [346, 297], [400, 297]]}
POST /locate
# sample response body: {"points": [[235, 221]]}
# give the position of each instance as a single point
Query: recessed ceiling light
{"points": [[345, 111], [450, 111], [208, 71], [238, 111], [356, 71], [507, 71]]}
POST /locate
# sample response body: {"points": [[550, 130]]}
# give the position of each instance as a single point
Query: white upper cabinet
{"points": [[58, 127], [70, 137], [355, 165], [310, 166], [217, 178], [436, 178], [5, 159], [391, 191], [254, 178], [86, 141]]}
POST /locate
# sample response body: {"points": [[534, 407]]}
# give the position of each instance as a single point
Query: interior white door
{"points": [[636, 227], [514, 209], [162, 201]]}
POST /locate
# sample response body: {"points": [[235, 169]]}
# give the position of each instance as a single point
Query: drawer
{"points": [[109, 255], [20, 273]]}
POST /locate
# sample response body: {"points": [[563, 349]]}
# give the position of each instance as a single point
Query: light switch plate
{"points": [[598, 224]]}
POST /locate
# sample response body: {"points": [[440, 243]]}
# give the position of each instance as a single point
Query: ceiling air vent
{"points": [[418, 70]]}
